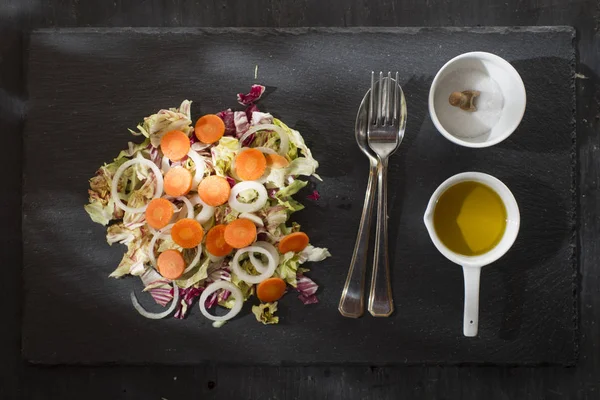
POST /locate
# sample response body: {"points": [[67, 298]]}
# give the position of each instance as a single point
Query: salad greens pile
{"points": [[119, 196]]}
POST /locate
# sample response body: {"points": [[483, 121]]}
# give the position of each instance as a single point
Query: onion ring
{"points": [[207, 211], [235, 292], [188, 204], [246, 277], [284, 140], [158, 235], [265, 150], [115, 182], [254, 218], [258, 265], [151, 315], [165, 164], [214, 259], [259, 203], [200, 168], [195, 260], [164, 232]]}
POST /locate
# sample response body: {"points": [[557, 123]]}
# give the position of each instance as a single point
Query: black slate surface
{"points": [[87, 87]]}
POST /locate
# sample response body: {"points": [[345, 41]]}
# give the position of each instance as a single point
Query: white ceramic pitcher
{"points": [[472, 264]]}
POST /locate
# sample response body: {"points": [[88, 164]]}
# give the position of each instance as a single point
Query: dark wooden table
{"points": [[20, 380]]}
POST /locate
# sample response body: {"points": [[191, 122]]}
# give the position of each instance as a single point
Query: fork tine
{"points": [[389, 99], [370, 114], [396, 86], [380, 105]]}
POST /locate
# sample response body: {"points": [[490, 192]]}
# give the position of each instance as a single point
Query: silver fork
{"points": [[385, 131]]}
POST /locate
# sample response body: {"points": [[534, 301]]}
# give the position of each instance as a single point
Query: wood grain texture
{"points": [[116, 382], [79, 112]]}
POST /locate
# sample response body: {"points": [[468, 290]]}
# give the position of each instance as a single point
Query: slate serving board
{"points": [[86, 87]]}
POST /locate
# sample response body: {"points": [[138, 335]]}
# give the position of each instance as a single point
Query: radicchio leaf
{"points": [[307, 289], [186, 297], [256, 91], [227, 117]]}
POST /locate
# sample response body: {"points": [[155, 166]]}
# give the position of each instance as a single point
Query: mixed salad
{"points": [[203, 210]]}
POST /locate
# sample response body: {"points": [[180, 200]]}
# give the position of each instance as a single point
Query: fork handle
{"points": [[381, 303], [352, 300]]}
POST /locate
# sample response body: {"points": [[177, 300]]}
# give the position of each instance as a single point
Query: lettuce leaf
{"points": [[314, 254], [133, 149], [121, 234], [139, 198], [290, 204], [291, 189], [260, 118], [195, 275], [101, 207], [265, 313], [288, 268], [299, 149], [223, 155], [274, 217], [156, 125], [303, 166], [224, 214], [135, 259], [103, 214]]}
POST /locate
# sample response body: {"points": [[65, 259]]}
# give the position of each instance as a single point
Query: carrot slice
{"points": [[209, 128], [175, 145], [178, 181], [214, 190], [171, 264], [215, 242], [250, 164], [158, 213], [276, 161], [295, 242], [187, 233], [270, 290], [240, 233]]}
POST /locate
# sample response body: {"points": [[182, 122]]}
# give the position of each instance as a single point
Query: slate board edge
{"points": [[304, 30], [405, 30], [575, 203]]}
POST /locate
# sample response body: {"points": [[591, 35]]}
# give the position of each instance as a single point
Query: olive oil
{"points": [[470, 218]]}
